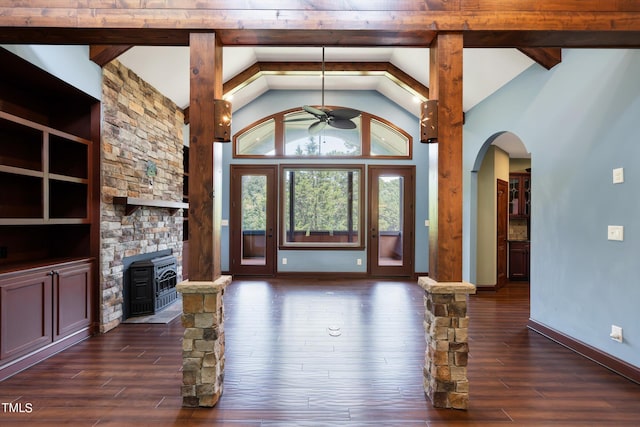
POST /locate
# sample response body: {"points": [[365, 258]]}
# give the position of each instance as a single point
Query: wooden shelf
{"points": [[132, 204]]}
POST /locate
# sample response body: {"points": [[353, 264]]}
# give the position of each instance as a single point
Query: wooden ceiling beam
{"points": [[537, 23], [170, 37], [258, 69], [102, 55], [547, 57]]}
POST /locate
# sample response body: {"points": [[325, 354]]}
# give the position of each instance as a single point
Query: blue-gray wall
{"points": [[580, 121], [369, 101], [69, 63]]}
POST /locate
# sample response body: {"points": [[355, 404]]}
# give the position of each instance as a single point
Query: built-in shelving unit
{"points": [[49, 213]]}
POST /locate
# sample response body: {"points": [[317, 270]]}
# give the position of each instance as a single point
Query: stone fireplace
{"points": [[141, 128]]}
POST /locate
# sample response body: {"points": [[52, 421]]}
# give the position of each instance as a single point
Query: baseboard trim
{"points": [[612, 363]]}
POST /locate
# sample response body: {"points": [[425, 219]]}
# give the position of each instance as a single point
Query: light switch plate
{"points": [[618, 175], [615, 232]]}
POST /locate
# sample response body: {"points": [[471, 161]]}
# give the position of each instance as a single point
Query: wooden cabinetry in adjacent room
{"points": [[519, 195], [519, 260]]}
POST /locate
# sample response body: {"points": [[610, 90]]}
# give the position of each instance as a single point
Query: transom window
{"points": [[290, 134]]}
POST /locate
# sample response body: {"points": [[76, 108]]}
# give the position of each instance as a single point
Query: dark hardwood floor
{"points": [[283, 368]]}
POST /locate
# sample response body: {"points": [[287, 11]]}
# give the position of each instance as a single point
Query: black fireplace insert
{"points": [[152, 285]]}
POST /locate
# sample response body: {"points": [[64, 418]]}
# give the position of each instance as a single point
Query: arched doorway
{"points": [[503, 158]]}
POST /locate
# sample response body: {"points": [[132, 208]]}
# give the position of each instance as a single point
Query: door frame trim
{"points": [[406, 270], [235, 246]]}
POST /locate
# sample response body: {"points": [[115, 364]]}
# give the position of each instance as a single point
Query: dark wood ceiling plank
{"points": [[547, 57], [102, 55]]}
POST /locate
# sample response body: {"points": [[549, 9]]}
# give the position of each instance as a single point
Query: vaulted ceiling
{"points": [[485, 71]]}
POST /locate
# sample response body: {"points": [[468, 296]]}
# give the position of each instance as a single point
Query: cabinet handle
{"points": [[51, 273], [56, 272]]}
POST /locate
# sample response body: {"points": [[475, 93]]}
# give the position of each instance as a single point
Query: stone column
{"points": [[446, 331], [203, 341]]}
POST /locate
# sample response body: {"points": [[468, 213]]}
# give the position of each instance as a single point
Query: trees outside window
{"points": [[322, 206]]}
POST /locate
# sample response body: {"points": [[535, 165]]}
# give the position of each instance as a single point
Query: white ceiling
{"points": [[484, 72]]}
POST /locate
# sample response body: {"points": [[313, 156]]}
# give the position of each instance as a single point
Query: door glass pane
{"points": [[390, 217], [254, 219]]}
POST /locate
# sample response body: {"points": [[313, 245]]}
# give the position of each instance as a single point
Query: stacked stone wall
{"points": [[140, 128]]}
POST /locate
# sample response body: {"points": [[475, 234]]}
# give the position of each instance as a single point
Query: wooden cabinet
{"points": [[25, 314], [71, 298], [519, 253], [519, 195], [49, 213], [43, 305]]}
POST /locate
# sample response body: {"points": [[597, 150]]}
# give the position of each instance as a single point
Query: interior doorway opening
{"points": [[501, 197]]}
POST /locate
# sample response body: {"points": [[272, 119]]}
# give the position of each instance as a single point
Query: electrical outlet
{"points": [[3, 251], [359, 261], [284, 261]]}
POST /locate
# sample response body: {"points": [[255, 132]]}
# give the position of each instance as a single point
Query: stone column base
{"points": [[203, 341], [446, 332]]}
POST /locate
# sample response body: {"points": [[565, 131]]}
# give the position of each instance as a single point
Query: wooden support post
{"points": [[204, 188], [445, 160]]}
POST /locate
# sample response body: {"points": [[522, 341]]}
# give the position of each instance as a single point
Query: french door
{"points": [[391, 220], [252, 222]]}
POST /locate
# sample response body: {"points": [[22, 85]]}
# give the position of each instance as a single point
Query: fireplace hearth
{"points": [[152, 285]]}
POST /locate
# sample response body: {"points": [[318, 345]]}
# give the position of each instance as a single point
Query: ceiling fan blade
{"points": [[317, 127], [344, 113], [302, 119], [315, 111], [341, 124]]}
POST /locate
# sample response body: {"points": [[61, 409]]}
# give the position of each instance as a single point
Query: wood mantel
{"points": [[132, 204]]}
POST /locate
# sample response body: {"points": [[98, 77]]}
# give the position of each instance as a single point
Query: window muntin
{"points": [[322, 207], [286, 134]]}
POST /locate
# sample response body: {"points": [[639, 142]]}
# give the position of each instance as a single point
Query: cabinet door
{"points": [[25, 314], [72, 299], [519, 261]]}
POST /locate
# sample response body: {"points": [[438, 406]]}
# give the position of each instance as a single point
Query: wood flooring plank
{"points": [[284, 369]]}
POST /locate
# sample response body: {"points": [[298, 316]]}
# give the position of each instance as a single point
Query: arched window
{"points": [[287, 134]]}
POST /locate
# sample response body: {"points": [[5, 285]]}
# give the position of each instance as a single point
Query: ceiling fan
{"points": [[339, 118]]}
